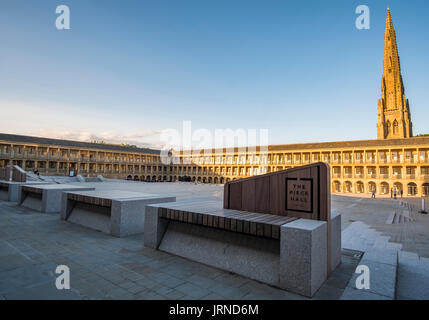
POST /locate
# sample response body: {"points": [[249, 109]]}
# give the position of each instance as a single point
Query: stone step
{"points": [[396, 219], [394, 245], [382, 265], [391, 218], [424, 263], [408, 255], [359, 236], [410, 259]]}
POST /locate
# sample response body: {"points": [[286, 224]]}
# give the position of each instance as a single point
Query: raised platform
{"points": [[47, 197], [286, 252], [11, 190], [118, 213]]}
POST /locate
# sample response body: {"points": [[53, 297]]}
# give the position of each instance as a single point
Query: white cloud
{"points": [[55, 121], [145, 139]]}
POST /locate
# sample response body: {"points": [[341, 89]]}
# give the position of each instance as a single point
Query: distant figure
{"points": [[36, 172], [402, 193], [394, 193], [373, 194], [391, 192]]}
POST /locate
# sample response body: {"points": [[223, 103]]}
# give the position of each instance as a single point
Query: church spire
{"points": [[394, 119]]}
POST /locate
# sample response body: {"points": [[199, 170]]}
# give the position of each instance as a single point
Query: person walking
{"points": [[391, 192], [402, 193], [394, 193], [373, 194]]}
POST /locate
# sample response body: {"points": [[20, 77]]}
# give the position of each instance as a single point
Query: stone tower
{"points": [[394, 118]]}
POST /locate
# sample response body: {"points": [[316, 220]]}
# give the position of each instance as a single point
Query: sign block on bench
{"points": [[115, 212], [302, 192]]}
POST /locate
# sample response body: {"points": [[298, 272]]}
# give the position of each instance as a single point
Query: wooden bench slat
{"points": [[253, 223]]}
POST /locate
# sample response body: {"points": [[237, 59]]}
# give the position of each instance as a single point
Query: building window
{"points": [[412, 189]]}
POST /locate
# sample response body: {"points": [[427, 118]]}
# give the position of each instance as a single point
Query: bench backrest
{"points": [[303, 192]]}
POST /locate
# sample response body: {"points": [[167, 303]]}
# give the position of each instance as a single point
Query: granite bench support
{"points": [[287, 252], [46, 198], [118, 213], [11, 190]]}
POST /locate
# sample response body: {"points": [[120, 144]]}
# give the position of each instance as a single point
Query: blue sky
{"points": [[131, 69]]}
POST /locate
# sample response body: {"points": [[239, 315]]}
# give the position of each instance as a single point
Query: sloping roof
{"points": [[408, 142], [69, 143], [353, 144], [388, 143]]}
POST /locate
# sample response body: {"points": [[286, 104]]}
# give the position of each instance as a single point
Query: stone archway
{"points": [[425, 189], [348, 188], [372, 186], [398, 186], [412, 189], [384, 188], [337, 186], [360, 187]]}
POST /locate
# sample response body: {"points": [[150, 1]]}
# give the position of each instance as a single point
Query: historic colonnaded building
{"points": [[395, 160]]}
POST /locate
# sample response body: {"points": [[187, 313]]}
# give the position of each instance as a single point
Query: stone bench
{"points": [[275, 228], [11, 190], [212, 214], [46, 198], [286, 252], [118, 213]]}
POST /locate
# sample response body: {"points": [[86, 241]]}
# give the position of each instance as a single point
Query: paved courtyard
{"points": [[103, 267], [32, 245]]}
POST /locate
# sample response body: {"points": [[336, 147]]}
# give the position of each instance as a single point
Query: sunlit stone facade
{"points": [[356, 166]]}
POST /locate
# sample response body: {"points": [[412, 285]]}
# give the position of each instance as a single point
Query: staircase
{"points": [[402, 214], [413, 277], [394, 274], [380, 256]]}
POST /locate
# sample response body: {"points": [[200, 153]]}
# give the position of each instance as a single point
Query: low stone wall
{"points": [[46, 198], [12, 191], [296, 261]]}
